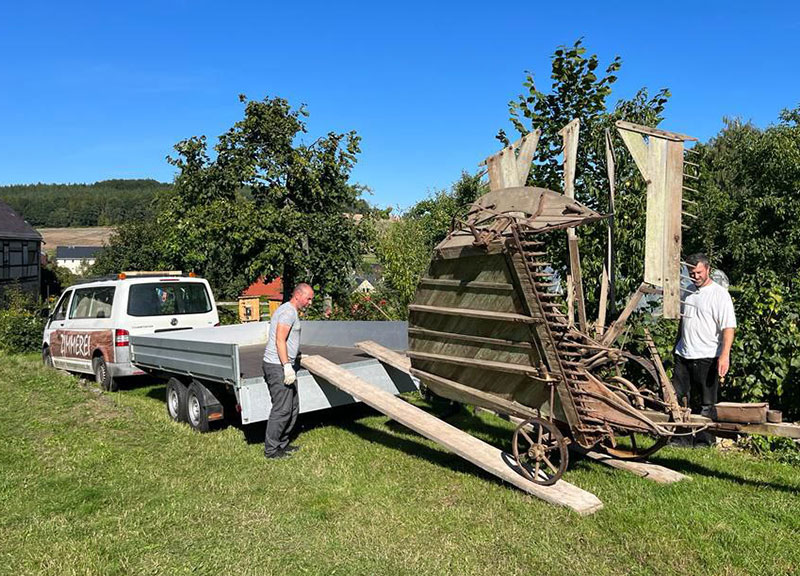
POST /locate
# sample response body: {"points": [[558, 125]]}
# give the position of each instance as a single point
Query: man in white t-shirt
{"points": [[703, 351]]}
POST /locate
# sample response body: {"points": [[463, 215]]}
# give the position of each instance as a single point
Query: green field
{"points": [[97, 483]]}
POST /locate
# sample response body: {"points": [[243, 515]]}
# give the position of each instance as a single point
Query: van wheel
{"points": [[177, 394], [102, 376], [195, 411], [47, 358]]}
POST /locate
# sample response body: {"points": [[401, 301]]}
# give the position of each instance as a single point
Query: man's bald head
{"points": [[302, 289], [302, 295]]}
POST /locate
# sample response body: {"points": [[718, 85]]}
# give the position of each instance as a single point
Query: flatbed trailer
{"points": [[207, 367]]}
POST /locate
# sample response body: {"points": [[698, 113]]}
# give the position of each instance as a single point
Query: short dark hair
{"points": [[698, 258]]}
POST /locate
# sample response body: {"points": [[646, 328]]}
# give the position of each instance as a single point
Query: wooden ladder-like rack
{"points": [[565, 349]]}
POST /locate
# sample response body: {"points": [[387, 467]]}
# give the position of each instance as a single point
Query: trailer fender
{"points": [[203, 407]]}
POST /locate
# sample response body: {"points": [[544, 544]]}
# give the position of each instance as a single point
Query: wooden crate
{"points": [[754, 413]]}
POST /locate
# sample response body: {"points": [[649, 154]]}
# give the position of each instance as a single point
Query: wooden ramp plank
{"points": [[480, 453], [648, 470], [385, 355]]}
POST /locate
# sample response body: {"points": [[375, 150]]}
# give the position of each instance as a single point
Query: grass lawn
{"points": [[97, 483]]}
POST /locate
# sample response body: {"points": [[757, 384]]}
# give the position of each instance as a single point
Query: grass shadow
{"points": [[419, 450], [688, 467]]}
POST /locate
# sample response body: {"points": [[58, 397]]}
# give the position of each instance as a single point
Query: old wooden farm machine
{"points": [[489, 325]]}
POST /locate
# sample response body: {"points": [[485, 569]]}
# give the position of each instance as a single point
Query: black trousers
{"points": [[285, 408], [696, 383]]}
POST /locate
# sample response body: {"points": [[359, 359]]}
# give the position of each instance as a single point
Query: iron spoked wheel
{"points": [[639, 446], [540, 451]]}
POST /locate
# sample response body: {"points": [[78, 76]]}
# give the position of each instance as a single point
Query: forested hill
{"points": [[103, 203]]}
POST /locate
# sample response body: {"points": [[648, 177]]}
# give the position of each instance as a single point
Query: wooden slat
{"points": [[638, 149], [630, 126], [527, 149], [468, 338], [785, 429], [468, 395], [575, 269], [616, 328], [672, 231], [508, 167], [446, 283], [647, 470], [478, 363], [656, 213], [569, 136], [484, 314], [385, 355], [476, 451]]}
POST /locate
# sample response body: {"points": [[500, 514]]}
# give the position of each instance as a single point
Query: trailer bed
{"points": [[231, 356], [250, 357]]}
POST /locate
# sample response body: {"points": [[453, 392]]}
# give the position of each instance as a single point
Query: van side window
{"points": [[61, 308], [92, 302], [168, 299]]}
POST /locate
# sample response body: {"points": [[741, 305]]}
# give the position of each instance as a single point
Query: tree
{"points": [[267, 205], [749, 215], [749, 224], [404, 247], [578, 92]]}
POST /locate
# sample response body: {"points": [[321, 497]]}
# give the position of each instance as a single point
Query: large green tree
{"points": [[749, 224], [266, 204], [579, 90]]}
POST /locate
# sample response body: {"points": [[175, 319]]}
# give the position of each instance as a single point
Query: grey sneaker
{"points": [[291, 449]]}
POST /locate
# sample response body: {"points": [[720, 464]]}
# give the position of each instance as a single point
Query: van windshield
{"points": [[168, 299]]}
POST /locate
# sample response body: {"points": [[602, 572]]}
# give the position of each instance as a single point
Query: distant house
{"points": [[76, 259], [22, 248], [271, 291], [364, 285]]}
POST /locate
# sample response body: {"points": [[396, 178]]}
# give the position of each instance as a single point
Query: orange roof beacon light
{"points": [[122, 276]]}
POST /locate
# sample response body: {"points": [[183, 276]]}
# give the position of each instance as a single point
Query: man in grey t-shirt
{"points": [[280, 355]]}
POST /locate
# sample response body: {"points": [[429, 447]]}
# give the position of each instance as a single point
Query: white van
{"points": [[92, 322]]}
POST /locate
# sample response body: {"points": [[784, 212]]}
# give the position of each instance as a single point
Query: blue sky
{"points": [[104, 90]]}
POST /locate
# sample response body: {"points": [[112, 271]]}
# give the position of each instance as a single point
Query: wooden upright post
{"points": [[660, 160], [607, 282], [569, 135]]}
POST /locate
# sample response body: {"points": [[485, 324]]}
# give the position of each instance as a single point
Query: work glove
{"points": [[289, 376]]}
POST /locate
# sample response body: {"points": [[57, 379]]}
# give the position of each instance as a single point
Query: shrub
{"points": [[21, 324], [772, 448]]}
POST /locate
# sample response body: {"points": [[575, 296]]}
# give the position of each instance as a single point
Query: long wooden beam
{"points": [[469, 313], [468, 338], [476, 451], [478, 363], [385, 355], [618, 326], [474, 285]]}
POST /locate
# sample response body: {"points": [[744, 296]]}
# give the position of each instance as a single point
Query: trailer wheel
{"points": [[177, 394], [102, 376], [195, 410]]}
